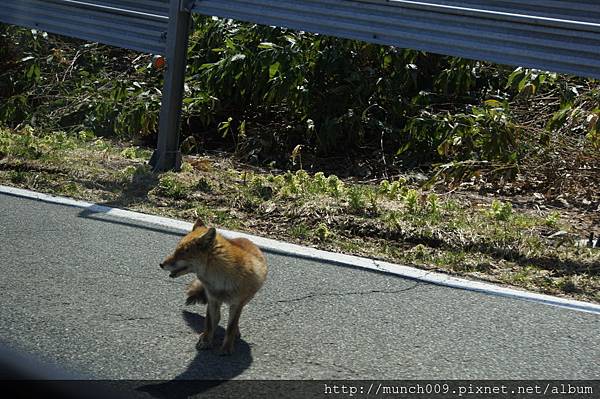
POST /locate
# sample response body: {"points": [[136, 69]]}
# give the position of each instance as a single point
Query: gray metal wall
{"points": [[561, 36], [134, 24]]}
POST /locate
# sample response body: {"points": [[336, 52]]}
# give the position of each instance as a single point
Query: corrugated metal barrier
{"points": [[562, 36], [138, 25]]}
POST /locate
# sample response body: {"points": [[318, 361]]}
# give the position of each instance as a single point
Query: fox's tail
{"points": [[196, 293]]}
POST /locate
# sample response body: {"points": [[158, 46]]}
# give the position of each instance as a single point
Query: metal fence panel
{"points": [[134, 24], [578, 10], [561, 36]]}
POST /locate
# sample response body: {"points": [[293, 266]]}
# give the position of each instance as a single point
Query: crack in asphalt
{"points": [[121, 317], [287, 312], [325, 294]]}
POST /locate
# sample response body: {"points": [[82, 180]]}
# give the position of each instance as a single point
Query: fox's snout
{"points": [[168, 263], [176, 268], [168, 266]]}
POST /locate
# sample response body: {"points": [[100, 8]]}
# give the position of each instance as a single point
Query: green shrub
{"points": [[322, 232], [170, 186], [411, 201], [356, 199], [501, 211], [268, 93]]}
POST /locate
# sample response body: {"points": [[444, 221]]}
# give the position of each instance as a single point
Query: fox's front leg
{"points": [[213, 315], [233, 328]]}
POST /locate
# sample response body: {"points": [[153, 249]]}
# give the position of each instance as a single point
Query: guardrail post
{"points": [[167, 155]]}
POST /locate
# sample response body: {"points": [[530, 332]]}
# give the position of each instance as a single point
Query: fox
{"points": [[229, 271]]}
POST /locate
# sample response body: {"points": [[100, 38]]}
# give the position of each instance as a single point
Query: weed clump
{"points": [[500, 211], [170, 186], [322, 232]]}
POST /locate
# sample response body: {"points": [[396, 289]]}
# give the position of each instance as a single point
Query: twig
{"points": [[70, 68]]}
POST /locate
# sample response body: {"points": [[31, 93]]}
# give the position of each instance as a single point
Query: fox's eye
{"points": [[184, 252]]}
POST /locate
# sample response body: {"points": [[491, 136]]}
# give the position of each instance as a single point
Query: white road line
{"points": [[284, 248]]}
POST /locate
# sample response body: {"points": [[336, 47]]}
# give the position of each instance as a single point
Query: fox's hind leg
{"points": [[213, 315]]}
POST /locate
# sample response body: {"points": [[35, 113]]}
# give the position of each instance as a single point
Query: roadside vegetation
{"points": [[395, 220], [443, 163]]}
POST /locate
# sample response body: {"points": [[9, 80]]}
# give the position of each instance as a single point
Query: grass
{"points": [[480, 237], [300, 231], [171, 186]]}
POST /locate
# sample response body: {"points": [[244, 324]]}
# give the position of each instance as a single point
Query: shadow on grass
{"points": [[135, 191], [208, 369], [553, 263]]}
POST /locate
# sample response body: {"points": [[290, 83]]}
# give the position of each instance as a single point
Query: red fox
{"points": [[227, 270]]}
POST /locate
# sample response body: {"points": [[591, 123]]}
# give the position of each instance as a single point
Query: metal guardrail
{"points": [[562, 38], [137, 25], [577, 10], [557, 35]]}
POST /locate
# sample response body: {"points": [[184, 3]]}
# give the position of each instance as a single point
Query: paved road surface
{"points": [[83, 290]]}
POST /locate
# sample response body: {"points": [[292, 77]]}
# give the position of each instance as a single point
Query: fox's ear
{"points": [[199, 223], [207, 239]]}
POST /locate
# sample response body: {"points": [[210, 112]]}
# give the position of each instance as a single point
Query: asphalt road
{"points": [[84, 291]]}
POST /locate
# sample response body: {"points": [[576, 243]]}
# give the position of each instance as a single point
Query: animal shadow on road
{"points": [[208, 369]]}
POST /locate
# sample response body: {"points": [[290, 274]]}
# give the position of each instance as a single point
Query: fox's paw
{"points": [[204, 343], [225, 351]]}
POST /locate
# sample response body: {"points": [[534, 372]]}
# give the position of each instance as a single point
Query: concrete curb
{"points": [[283, 248]]}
